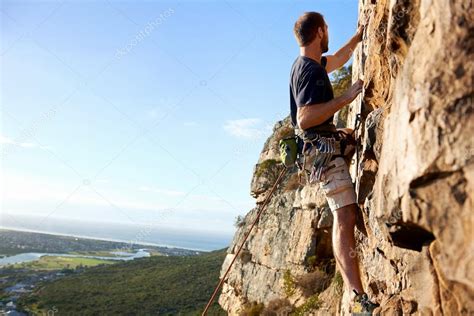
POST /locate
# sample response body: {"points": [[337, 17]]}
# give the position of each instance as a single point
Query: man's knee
{"points": [[345, 217]]}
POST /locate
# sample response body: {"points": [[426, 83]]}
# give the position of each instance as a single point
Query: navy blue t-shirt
{"points": [[309, 84]]}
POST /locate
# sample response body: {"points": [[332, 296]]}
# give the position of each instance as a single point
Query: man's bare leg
{"points": [[343, 241]]}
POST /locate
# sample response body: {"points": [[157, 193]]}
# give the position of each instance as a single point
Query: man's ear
{"points": [[321, 32]]}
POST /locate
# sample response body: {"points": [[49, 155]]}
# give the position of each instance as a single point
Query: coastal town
{"points": [[19, 282]]}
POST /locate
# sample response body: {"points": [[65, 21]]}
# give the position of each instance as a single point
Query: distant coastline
{"points": [[140, 233], [96, 238]]}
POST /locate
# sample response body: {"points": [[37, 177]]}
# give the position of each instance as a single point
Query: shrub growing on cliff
{"points": [[311, 304], [239, 221], [288, 283], [338, 282], [252, 309], [245, 256], [293, 182], [313, 283], [285, 131], [265, 166], [311, 261], [278, 307]]}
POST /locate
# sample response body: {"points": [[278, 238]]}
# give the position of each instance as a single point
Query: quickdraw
{"points": [[325, 149]]}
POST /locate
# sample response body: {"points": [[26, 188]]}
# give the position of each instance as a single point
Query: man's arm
{"points": [[315, 114], [337, 60]]}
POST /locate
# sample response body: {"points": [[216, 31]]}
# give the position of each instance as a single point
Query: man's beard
{"points": [[325, 45]]}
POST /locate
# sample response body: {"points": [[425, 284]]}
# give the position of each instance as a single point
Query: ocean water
{"points": [[129, 233]]}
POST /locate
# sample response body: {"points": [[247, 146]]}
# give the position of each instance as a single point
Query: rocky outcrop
{"points": [[294, 229], [414, 177]]}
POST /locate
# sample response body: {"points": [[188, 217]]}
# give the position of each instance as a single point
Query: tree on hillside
{"points": [[341, 81]]}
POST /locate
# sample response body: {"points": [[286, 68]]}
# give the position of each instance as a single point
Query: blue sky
{"points": [[145, 111]]}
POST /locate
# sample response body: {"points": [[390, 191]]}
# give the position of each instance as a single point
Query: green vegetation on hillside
{"points": [[59, 263], [341, 80], [149, 286]]}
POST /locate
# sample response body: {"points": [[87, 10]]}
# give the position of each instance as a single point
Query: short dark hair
{"points": [[306, 27]]}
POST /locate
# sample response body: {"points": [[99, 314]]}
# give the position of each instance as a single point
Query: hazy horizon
{"points": [[124, 232]]}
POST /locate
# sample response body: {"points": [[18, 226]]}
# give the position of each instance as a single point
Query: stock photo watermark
{"points": [[144, 33], [146, 231], [24, 139], [52, 311], [469, 152]]}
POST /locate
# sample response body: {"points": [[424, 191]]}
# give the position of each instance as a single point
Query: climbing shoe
{"points": [[362, 305]]}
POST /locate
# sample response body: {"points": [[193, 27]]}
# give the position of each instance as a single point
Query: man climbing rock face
{"points": [[312, 109]]}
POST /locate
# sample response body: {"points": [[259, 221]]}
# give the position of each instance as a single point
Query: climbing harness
{"points": [[262, 208], [323, 147]]}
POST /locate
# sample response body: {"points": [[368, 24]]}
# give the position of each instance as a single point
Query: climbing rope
{"points": [[262, 208], [358, 119], [357, 138]]}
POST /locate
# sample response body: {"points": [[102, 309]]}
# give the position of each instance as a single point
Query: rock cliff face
{"points": [[414, 177]]}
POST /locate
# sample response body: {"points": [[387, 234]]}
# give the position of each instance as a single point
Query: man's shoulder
{"points": [[306, 66], [309, 62]]}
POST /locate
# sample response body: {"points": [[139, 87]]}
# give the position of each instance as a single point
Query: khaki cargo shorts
{"points": [[337, 183]]}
